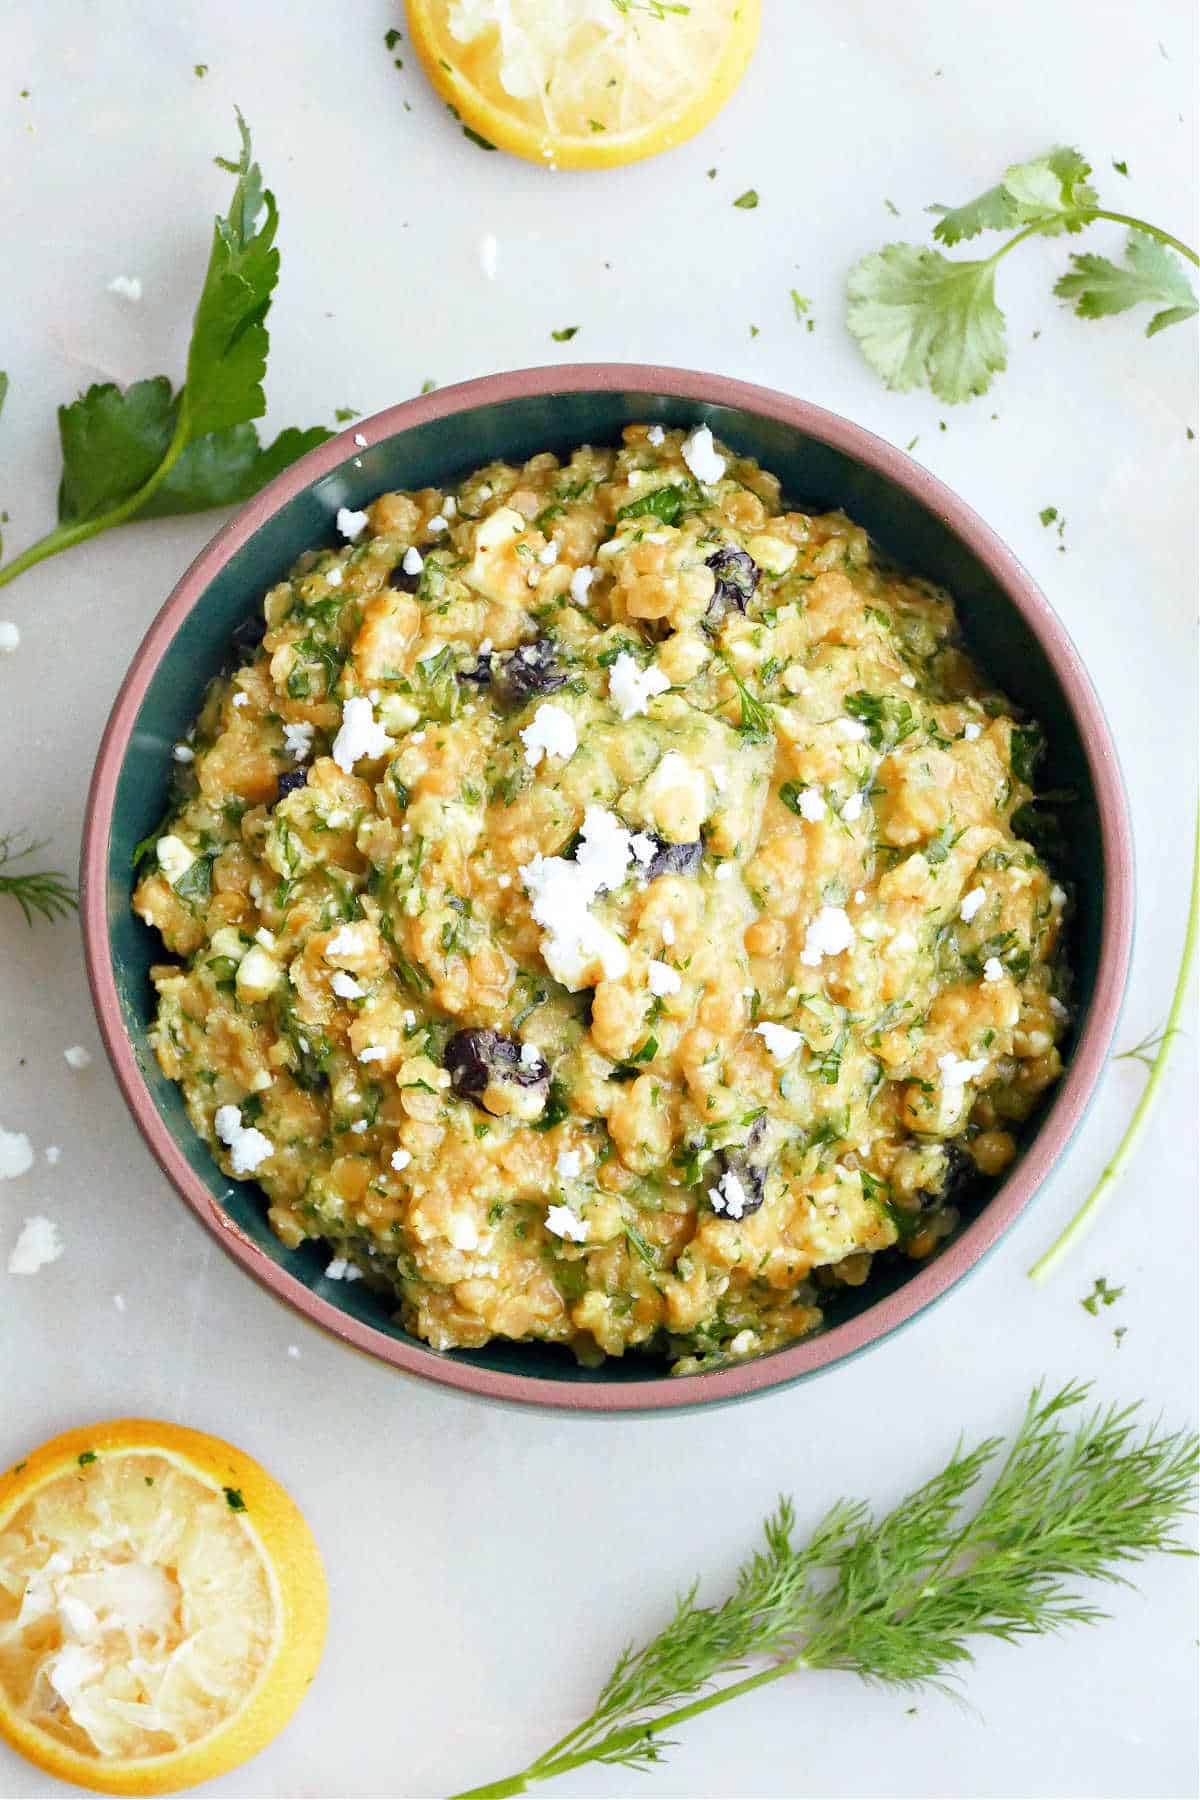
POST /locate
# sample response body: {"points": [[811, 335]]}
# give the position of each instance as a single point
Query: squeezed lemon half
{"points": [[162, 1607], [584, 84]]}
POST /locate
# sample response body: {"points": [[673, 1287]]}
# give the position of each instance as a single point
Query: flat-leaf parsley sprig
{"points": [[921, 317], [42, 893], [897, 1599], [147, 451]]}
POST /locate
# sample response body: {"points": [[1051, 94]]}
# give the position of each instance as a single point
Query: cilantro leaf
{"points": [[3, 389], [1150, 275], [919, 316], [1046, 190], [993, 211]]}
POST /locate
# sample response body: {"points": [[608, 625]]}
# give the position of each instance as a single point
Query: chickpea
{"points": [[992, 1151]]}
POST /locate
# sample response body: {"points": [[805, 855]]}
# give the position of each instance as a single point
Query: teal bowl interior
{"points": [[438, 452]]}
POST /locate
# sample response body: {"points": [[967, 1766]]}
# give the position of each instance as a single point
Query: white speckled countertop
{"points": [[485, 1566]]}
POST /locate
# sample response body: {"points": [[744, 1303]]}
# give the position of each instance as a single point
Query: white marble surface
{"points": [[485, 1566]]}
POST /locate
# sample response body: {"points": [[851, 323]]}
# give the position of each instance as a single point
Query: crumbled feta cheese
{"points": [[561, 892], [76, 1057], [438, 524], [781, 1042], [850, 728], [726, 871], [345, 986], [662, 979], [549, 556], [729, 1197], [126, 287], [413, 562], [810, 804], [631, 689], [119, 1302], [40, 1243], [241, 699], [16, 1154], [372, 1053], [564, 1223], [341, 1269], [581, 581], [956, 1071], [743, 1343], [531, 1056], [860, 895], [333, 577], [971, 904], [359, 735], [53, 1154], [450, 508], [351, 524], [668, 931], [360, 440], [1058, 896], [350, 940], [489, 255], [644, 847], [298, 740], [265, 938], [828, 934], [852, 809], [568, 1165], [293, 1351], [655, 435], [248, 1147], [258, 975], [463, 1233], [408, 1019], [705, 463], [993, 969], [10, 637], [1058, 1009], [174, 857], [972, 731], [401, 1159], [183, 753], [551, 732], [908, 681]]}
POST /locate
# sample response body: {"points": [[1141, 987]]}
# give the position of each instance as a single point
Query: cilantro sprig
{"points": [[924, 318], [994, 1545], [150, 450]]}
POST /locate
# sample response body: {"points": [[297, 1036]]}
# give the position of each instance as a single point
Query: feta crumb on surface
{"points": [[551, 732], [662, 979], [1058, 1009], [1058, 896], [438, 524], [401, 1159], [10, 637], [351, 524], [971, 904], [581, 581], [265, 938], [39, 1243], [729, 1197], [562, 1222], [561, 892], [531, 1056], [725, 871], [372, 1053], [293, 1351], [360, 440], [632, 688], [781, 1042], [993, 969], [345, 987], [76, 1057], [298, 740], [655, 435], [828, 934], [644, 847], [450, 506], [126, 287], [349, 940], [340, 1269], [703, 460], [489, 255], [568, 1165], [16, 1154], [183, 753], [668, 931], [908, 681], [549, 556], [412, 562], [743, 1343], [359, 735], [972, 731], [248, 1147], [53, 1154], [241, 698], [333, 577], [174, 857], [860, 895], [850, 728], [463, 1233], [119, 1302], [957, 1071], [810, 804], [853, 808]]}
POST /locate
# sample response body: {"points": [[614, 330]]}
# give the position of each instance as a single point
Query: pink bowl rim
{"points": [[1066, 1112]]}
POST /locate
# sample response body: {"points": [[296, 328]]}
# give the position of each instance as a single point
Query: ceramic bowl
{"points": [[824, 461]]}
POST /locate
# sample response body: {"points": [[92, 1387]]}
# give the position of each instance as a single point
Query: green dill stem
{"points": [[1084, 1218], [65, 537], [548, 1766]]}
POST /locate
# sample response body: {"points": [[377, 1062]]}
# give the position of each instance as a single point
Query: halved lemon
{"points": [[584, 84], [162, 1607]]}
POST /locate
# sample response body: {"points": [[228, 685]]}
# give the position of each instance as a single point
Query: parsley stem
{"points": [[65, 537], [619, 1743], [1163, 237], [1085, 1217]]}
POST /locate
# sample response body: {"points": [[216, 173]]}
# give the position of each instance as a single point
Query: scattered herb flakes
{"points": [[392, 38], [85, 1457], [1122, 168], [565, 335], [894, 210], [428, 386], [913, 442], [344, 414], [233, 1499], [800, 305], [747, 201], [711, 173], [1118, 1334], [596, 125], [754, 331], [477, 139], [1101, 1295], [200, 70], [1048, 515]]}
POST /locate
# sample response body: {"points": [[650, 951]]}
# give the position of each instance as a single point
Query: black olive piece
{"points": [[289, 781], [480, 672], [960, 1172], [737, 577], [248, 636], [408, 584], [478, 1055], [743, 1162], [672, 859], [528, 670]]}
